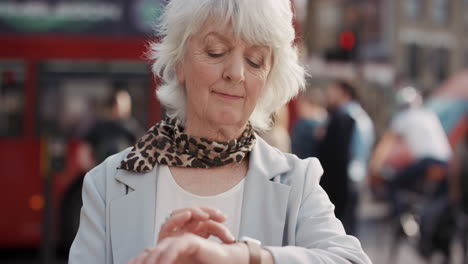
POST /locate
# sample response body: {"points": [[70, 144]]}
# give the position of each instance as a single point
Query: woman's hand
{"points": [[201, 221], [190, 248]]}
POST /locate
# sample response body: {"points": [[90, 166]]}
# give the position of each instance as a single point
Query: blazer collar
{"points": [[267, 161]]}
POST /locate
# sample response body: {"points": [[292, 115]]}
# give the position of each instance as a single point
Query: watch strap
{"points": [[255, 252]]}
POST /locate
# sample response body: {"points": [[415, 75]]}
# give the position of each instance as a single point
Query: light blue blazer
{"points": [[283, 206]]}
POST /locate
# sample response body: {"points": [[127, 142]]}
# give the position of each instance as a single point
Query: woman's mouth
{"points": [[228, 96]]}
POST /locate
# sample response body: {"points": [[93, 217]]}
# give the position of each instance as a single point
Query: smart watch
{"points": [[255, 250]]}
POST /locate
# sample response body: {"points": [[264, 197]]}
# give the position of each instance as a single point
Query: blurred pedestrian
{"points": [[278, 135], [362, 142], [421, 131], [226, 67], [309, 127], [335, 149], [110, 132], [125, 109]]}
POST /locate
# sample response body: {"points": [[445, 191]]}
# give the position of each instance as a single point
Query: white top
{"points": [[170, 196], [423, 133]]}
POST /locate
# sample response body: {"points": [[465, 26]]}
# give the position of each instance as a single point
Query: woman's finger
{"points": [[201, 228], [210, 227], [203, 213], [215, 214], [192, 220], [177, 220], [197, 213]]}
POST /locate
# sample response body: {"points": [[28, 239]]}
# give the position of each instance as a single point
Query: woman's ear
{"points": [[180, 73]]}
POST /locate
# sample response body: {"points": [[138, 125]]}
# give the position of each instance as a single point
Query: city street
{"points": [[377, 90]]}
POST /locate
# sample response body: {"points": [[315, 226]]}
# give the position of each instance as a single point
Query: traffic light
{"points": [[347, 40], [346, 48]]}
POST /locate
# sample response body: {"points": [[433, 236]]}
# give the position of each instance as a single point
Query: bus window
{"points": [[11, 98], [73, 95]]}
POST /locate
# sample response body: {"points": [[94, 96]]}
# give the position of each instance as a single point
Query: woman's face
{"points": [[223, 76]]}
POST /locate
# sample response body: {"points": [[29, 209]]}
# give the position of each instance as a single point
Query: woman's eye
{"points": [[215, 54], [253, 64]]}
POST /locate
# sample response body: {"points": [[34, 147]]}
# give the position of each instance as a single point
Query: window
{"points": [[465, 12], [72, 95], [12, 77], [440, 11], [412, 8]]}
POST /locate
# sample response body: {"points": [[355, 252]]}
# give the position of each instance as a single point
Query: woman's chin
{"points": [[228, 119]]}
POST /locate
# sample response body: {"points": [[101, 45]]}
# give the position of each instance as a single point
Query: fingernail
{"points": [[220, 213]]}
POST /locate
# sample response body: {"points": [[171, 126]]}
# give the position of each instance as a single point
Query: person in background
{"points": [[278, 135], [124, 113], [421, 131], [362, 142], [309, 128], [203, 173], [109, 134], [335, 149]]}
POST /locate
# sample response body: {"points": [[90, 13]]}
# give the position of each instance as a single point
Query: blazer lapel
{"points": [[132, 216], [265, 198]]}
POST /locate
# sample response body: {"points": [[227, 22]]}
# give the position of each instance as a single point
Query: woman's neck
{"points": [[215, 132]]}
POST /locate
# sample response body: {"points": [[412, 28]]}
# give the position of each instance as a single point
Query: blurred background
{"points": [[75, 87]]}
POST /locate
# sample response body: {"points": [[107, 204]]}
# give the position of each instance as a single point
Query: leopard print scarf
{"points": [[165, 143]]}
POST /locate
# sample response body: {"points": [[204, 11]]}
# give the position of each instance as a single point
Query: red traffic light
{"points": [[347, 40]]}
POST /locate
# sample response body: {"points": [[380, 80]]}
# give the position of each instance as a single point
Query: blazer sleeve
{"points": [[89, 243], [320, 236]]}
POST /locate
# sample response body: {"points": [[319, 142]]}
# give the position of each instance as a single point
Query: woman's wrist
{"points": [[239, 253]]}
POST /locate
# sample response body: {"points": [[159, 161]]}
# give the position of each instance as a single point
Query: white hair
{"points": [[265, 22]]}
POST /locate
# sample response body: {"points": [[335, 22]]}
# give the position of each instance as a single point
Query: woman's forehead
{"points": [[225, 34], [222, 27]]}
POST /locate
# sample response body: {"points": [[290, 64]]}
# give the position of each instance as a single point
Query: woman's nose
{"points": [[234, 70]]}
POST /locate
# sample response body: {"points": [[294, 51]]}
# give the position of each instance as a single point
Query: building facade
{"points": [[425, 41], [430, 40]]}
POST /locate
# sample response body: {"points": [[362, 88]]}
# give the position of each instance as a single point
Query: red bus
{"points": [[54, 74]]}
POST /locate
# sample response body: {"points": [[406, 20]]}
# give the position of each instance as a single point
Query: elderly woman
{"points": [[202, 179]]}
